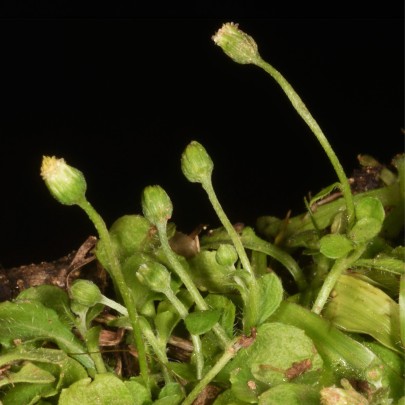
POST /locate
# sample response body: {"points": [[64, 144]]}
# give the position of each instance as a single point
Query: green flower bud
{"points": [[65, 183], [196, 164], [85, 293], [156, 204], [239, 46], [226, 255], [155, 276]]}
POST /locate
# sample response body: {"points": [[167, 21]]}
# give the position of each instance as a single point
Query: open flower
{"points": [[65, 183]]}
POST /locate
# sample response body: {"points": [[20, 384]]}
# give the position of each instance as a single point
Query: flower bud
{"points": [[239, 46], [65, 183], [226, 255], [156, 204], [155, 276], [196, 164], [85, 293]]}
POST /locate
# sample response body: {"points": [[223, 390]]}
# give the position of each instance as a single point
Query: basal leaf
{"points": [[201, 322], [335, 246], [105, 389], [34, 321]]}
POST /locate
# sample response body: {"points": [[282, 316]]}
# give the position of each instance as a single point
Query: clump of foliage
{"points": [[308, 309]]}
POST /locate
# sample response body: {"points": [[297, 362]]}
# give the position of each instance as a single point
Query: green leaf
{"points": [[227, 309], [291, 394], [324, 193], [365, 229], [105, 389], [264, 297], [209, 275], [29, 373], [140, 394], [335, 246], [171, 391], [271, 360], [357, 306], [32, 320], [228, 398], [201, 322], [52, 297], [165, 322], [370, 207], [383, 262], [345, 356], [129, 234]]}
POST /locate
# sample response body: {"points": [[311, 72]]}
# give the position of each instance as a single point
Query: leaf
{"points": [[335, 246], [52, 297], [278, 347], [383, 262], [165, 322], [291, 394], [357, 306], [343, 355], [365, 229], [170, 394], [370, 207], [227, 308], [105, 389], [32, 320], [28, 373], [209, 275], [264, 297], [140, 394], [201, 322], [324, 193]]}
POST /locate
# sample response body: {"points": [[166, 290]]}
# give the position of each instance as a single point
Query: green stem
{"points": [[230, 352], [183, 312], [118, 278], [302, 110], [337, 269], [207, 185], [185, 278]]}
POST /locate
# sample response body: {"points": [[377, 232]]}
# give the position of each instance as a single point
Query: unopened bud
{"points": [[196, 164], [155, 276], [85, 293], [65, 183], [238, 45], [226, 255], [156, 204]]}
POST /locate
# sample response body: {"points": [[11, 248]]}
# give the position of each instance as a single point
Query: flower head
{"points": [[65, 183], [196, 164], [238, 45], [156, 205]]}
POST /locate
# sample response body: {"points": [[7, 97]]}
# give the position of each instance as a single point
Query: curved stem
{"points": [[207, 185], [337, 269], [304, 113], [230, 352], [118, 278], [186, 279]]}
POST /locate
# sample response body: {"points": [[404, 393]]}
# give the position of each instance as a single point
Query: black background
{"points": [[120, 91]]}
